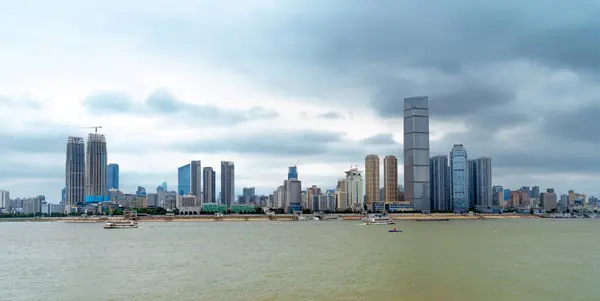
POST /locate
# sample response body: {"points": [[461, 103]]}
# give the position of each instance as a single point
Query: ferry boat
{"points": [[378, 219], [129, 221]]}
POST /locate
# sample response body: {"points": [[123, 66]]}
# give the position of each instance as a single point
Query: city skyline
{"points": [[325, 99]]}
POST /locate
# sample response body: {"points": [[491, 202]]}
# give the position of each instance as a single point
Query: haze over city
{"points": [[268, 84]]}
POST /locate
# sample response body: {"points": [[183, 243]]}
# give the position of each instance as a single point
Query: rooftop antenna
{"points": [[92, 127]]}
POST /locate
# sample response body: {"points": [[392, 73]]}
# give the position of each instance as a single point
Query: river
{"points": [[493, 260]]}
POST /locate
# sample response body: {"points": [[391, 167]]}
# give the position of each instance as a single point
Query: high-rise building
{"points": [[5, 200], [535, 192], [96, 187], [390, 178], [548, 200], [341, 196], [459, 179], [75, 172], [184, 179], [472, 175], [416, 152], [113, 176], [483, 181], [195, 178], [372, 180], [440, 183], [140, 190], [354, 189], [248, 194], [293, 195], [208, 185], [293, 172], [164, 185], [311, 192], [227, 183]]}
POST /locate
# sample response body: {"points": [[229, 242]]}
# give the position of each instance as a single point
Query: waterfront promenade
{"points": [[262, 217]]}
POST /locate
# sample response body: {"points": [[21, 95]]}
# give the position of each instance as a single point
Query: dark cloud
{"points": [[163, 102], [576, 123]]}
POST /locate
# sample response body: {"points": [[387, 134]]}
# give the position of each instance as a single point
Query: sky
{"points": [[268, 84]]}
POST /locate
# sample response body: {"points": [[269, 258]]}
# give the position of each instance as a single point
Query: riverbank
{"points": [[249, 217]]}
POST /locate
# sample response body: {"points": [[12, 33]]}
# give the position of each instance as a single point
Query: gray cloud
{"points": [[579, 124], [108, 102], [19, 103], [162, 102], [331, 115], [380, 139]]}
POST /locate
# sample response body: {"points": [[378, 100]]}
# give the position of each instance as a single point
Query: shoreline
{"points": [[287, 217]]}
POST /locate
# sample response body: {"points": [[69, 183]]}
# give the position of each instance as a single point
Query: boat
{"points": [[128, 221], [394, 230], [378, 219]]}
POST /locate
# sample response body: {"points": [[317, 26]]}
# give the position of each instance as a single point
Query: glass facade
{"points": [[75, 172], [113, 176], [416, 153], [440, 183], [183, 179], [459, 178], [292, 172]]}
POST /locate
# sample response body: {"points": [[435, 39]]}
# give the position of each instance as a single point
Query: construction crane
{"points": [[92, 127]]}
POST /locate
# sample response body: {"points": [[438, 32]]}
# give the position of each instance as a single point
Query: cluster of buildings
{"points": [[441, 183]]}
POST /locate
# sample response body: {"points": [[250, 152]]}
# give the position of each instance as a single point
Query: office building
{"points": [[354, 189], [548, 200], [195, 178], [75, 172], [96, 187], [472, 175], [440, 184], [5, 200], [293, 195], [227, 183], [184, 179], [209, 189], [311, 192], [293, 172], [164, 186], [459, 179], [140, 190], [535, 191], [416, 152], [248, 195], [113, 176], [390, 179], [483, 182], [372, 180]]}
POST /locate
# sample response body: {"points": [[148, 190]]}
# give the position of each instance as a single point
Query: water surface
{"points": [[493, 260]]}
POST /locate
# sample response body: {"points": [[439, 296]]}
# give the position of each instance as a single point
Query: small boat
{"points": [[394, 230], [433, 219]]}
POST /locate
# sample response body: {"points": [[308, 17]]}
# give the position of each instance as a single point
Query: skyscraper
{"points": [[483, 182], [459, 179], [390, 178], [354, 189], [5, 200], [416, 152], [248, 194], [472, 176], [293, 172], [113, 176], [164, 186], [75, 172], [440, 183], [96, 188], [227, 183], [372, 180], [183, 179], [208, 185], [195, 178]]}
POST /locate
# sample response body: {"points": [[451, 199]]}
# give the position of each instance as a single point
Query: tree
{"points": [[531, 211]]}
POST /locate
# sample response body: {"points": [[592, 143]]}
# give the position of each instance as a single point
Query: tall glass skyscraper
{"points": [[292, 172], [483, 181], [208, 185], [96, 186], [416, 152], [227, 183], [196, 178], [459, 178], [113, 176], [183, 179], [440, 183], [75, 172]]}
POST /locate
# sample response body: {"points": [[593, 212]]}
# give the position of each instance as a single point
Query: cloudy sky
{"points": [[270, 83]]}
